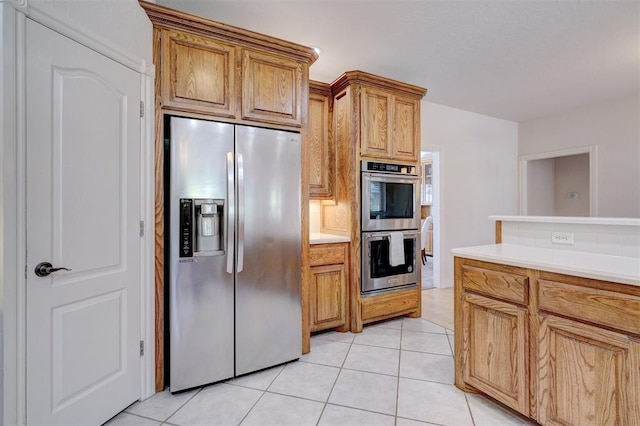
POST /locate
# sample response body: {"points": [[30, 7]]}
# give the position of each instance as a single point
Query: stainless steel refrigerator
{"points": [[235, 244]]}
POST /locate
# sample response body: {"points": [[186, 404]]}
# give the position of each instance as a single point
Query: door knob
{"points": [[45, 268]]}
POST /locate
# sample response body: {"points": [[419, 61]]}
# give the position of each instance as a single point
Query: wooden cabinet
{"points": [[322, 153], [379, 119], [272, 88], [388, 122], [389, 125], [494, 333], [589, 371], [328, 280], [405, 137], [579, 338], [587, 375], [209, 68], [375, 123], [197, 73]]}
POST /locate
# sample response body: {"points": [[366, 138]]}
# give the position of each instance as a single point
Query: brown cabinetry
{"points": [[209, 68], [197, 73], [587, 375], [589, 371], [579, 338], [494, 332], [322, 153], [389, 124], [272, 88], [379, 119], [328, 279]]}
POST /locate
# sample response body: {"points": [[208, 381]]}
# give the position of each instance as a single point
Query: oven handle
{"points": [[378, 177], [382, 235]]}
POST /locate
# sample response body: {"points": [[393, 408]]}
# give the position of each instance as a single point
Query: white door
{"points": [[83, 212]]}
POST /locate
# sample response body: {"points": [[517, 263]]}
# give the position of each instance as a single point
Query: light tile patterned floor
{"points": [[396, 373]]}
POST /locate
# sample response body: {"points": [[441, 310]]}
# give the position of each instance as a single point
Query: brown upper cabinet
{"points": [[389, 115], [322, 154], [198, 74], [209, 68]]}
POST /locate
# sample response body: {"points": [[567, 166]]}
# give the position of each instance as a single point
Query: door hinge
{"points": [[141, 108], [142, 228], [141, 347]]}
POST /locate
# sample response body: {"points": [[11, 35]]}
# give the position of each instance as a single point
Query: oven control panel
{"points": [[393, 168]]}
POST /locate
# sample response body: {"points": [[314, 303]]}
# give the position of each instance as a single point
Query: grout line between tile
{"points": [[335, 381], [185, 403], [469, 408], [263, 392]]}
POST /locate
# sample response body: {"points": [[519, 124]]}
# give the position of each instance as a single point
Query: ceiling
{"points": [[512, 59]]}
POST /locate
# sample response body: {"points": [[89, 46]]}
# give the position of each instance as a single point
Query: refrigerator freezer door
{"points": [[201, 291], [268, 313]]}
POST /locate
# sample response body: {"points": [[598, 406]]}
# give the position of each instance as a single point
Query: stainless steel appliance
{"points": [[378, 274], [234, 252], [390, 203], [390, 198]]}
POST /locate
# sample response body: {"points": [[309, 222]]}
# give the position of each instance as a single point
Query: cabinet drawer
{"points": [[510, 284], [605, 307], [389, 305], [327, 254]]}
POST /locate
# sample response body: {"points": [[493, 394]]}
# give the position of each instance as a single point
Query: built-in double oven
{"points": [[390, 226]]}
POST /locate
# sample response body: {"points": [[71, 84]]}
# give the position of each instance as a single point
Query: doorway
{"points": [[561, 183], [429, 218]]}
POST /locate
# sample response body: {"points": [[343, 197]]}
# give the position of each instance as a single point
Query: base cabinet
{"points": [[328, 278], [495, 350], [587, 375], [560, 349]]}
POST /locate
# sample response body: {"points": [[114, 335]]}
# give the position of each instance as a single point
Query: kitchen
{"points": [[486, 189]]}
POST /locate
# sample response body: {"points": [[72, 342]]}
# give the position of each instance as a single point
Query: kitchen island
{"points": [[553, 334]]}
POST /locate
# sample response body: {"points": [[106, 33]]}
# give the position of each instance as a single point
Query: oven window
{"points": [[391, 200], [380, 267]]}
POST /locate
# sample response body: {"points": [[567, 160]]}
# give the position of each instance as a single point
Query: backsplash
{"points": [[617, 240], [314, 216]]}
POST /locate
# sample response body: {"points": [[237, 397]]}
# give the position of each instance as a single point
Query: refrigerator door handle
{"points": [[240, 265], [230, 211]]}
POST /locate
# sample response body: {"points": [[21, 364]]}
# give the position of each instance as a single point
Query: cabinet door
{"points": [[405, 139], [495, 350], [271, 88], [321, 147], [327, 296], [197, 74], [375, 123], [587, 375]]}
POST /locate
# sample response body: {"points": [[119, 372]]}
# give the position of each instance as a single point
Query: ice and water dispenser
{"points": [[201, 227]]}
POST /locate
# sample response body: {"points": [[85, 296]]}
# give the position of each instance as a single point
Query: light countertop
{"points": [[624, 270], [566, 219], [320, 238]]}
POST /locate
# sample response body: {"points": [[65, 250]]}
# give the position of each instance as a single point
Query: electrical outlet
{"points": [[562, 238]]}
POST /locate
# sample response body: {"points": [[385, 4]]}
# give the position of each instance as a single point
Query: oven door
{"points": [[389, 202], [377, 273]]}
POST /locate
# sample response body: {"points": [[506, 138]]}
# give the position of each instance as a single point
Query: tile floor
{"points": [[398, 372]]}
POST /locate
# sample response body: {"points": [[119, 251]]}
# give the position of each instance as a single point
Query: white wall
{"points": [[540, 188], [121, 24], [614, 128], [571, 175], [478, 176]]}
